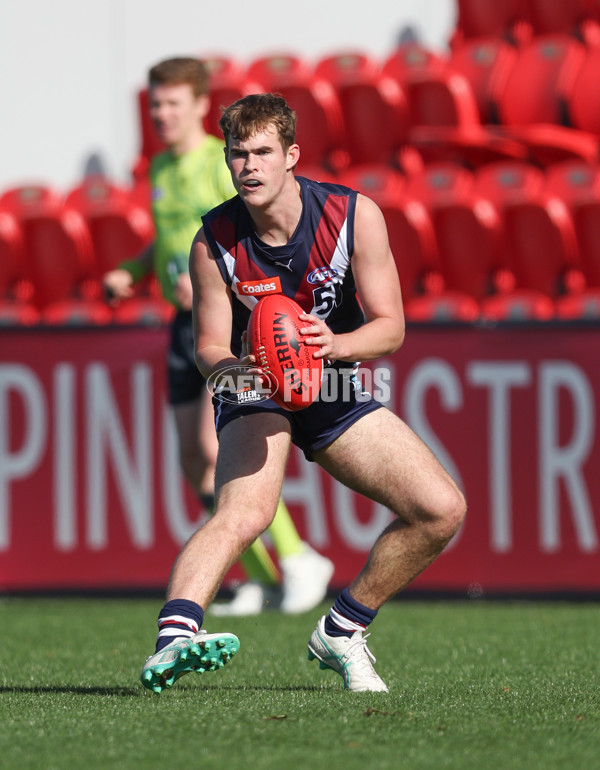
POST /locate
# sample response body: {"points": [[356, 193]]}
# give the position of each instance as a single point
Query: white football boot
{"points": [[305, 577], [349, 656], [199, 653], [249, 599]]}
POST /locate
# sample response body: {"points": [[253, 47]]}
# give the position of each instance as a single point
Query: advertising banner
{"points": [[91, 496]]}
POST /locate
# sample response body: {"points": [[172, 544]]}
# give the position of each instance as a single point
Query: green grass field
{"points": [[472, 685]]}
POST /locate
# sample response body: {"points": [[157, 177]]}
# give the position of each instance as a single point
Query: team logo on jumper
{"points": [[322, 274], [259, 288]]}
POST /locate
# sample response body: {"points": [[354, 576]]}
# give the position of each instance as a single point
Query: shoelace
{"points": [[365, 663], [363, 643]]}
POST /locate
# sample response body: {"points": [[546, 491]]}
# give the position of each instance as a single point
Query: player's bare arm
{"points": [[211, 310], [379, 291]]}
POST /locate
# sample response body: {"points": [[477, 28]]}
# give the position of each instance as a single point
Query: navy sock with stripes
{"points": [[179, 617], [347, 616]]}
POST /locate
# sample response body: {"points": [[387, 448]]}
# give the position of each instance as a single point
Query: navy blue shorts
{"points": [[316, 426], [185, 383]]}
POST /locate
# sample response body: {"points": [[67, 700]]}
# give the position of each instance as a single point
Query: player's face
{"points": [[259, 166], [176, 113]]}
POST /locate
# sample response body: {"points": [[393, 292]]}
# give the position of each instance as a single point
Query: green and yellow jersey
{"points": [[184, 188]]}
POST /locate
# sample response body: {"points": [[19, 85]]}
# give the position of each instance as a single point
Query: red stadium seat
{"points": [[378, 181], [279, 67], [578, 186], [558, 16], [318, 172], [593, 12], [466, 226], [31, 198], [573, 181], [228, 83], [411, 60], [119, 226], [374, 108], [517, 305], [468, 235], [547, 144], [412, 241], [532, 106], [347, 67], [60, 261], [445, 122], [478, 18], [221, 66], [409, 226], [543, 75], [439, 182], [76, 313], [583, 101], [143, 311], [539, 247], [445, 307], [320, 125], [141, 193], [410, 231], [486, 63], [12, 253], [18, 314], [442, 99], [582, 306], [438, 185], [15, 291], [508, 182], [96, 194]]}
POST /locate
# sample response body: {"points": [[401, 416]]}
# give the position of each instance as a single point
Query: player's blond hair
{"points": [[254, 113]]}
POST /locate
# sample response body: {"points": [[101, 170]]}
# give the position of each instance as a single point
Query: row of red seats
{"points": [[519, 20], [505, 239], [520, 83], [486, 100], [54, 251]]}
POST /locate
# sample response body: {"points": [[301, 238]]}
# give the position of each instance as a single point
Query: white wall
{"points": [[70, 69]]}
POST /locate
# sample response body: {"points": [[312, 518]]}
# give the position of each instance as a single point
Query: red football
{"points": [[274, 339]]}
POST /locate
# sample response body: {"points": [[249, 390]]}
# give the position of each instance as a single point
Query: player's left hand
{"points": [[316, 332]]}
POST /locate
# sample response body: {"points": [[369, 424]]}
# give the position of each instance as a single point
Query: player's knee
{"points": [[245, 526], [450, 513]]}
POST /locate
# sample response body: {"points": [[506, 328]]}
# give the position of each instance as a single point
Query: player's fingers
{"points": [[318, 328]]}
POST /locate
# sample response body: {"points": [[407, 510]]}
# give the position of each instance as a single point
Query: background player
{"points": [[188, 180], [280, 225]]}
